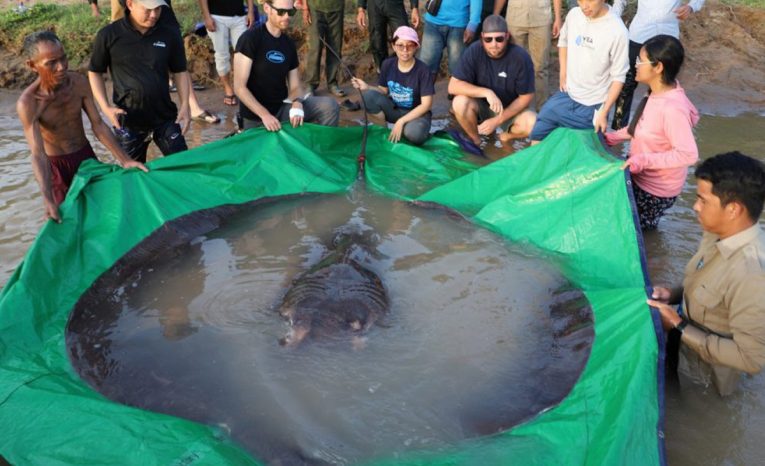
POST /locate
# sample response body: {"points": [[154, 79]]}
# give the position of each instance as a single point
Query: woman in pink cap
{"points": [[404, 91]]}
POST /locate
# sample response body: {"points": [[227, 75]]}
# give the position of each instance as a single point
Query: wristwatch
{"points": [[681, 326]]}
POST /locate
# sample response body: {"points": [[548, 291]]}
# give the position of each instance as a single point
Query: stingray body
{"points": [[337, 295]]}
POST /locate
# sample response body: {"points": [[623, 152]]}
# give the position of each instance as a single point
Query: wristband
{"points": [[296, 112]]}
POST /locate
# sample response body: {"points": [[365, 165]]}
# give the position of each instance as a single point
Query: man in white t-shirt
{"points": [[653, 17], [593, 64]]}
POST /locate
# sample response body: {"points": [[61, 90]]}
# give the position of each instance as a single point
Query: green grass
{"points": [[750, 3], [73, 24], [77, 28]]}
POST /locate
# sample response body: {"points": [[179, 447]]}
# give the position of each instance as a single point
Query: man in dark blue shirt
{"points": [[140, 54], [493, 83]]}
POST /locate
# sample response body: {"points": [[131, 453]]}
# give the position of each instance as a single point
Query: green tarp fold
{"points": [[566, 196]]}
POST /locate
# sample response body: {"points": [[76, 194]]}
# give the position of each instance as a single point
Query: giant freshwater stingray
{"points": [[337, 294]]}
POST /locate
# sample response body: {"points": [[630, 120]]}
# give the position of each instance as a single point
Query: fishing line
{"points": [[363, 153]]}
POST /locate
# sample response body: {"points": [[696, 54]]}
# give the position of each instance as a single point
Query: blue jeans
{"points": [[562, 110], [435, 39]]}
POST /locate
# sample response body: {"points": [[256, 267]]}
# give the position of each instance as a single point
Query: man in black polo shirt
{"points": [[140, 54], [265, 64], [493, 83]]}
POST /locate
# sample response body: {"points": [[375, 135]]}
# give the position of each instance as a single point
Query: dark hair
{"points": [[669, 51], [736, 177], [32, 40]]}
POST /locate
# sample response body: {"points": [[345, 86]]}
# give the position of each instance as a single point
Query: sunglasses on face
{"points": [[284, 11], [405, 47], [498, 39]]}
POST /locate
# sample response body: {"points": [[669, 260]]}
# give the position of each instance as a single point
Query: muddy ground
{"points": [[724, 72]]}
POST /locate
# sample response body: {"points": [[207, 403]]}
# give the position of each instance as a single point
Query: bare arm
{"points": [[415, 17], [99, 93], [562, 56], [601, 116], [29, 109], [104, 134], [296, 91], [459, 87], [490, 125], [499, 4], [398, 127], [209, 22], [242, 69], [183, 82], [362, 85], [250, 13], [556, 18], [518, 105], [361, 17], [426, 103]]}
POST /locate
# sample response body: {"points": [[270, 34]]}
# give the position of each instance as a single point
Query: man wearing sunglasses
{"points": [[266, 78], [493, 83], [533, 27]]}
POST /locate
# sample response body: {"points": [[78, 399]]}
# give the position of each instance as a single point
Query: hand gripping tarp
{"points": [[567, 196]]}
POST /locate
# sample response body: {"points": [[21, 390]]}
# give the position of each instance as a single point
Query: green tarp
{"points": [[567, 196]]}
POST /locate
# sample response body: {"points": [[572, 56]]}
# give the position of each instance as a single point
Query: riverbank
{"points": [[725, 44]]}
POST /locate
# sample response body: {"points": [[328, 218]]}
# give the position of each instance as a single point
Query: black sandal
{"points": [[350, 105]]}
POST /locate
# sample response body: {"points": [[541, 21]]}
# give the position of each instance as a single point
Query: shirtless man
{"points": [[50, 110]]}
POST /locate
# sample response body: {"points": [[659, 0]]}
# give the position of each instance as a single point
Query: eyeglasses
{"points": [[498, 39], [638, 62], [283, 11], [405, 47]]}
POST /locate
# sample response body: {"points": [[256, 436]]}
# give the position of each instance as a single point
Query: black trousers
{"points": [[382, 15], [167, 136], [624, 101]]}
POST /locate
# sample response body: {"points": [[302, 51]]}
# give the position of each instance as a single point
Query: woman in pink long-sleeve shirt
{"points": [[663, 145]]}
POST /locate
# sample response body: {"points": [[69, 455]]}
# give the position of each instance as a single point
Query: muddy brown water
{"points": [[478, 337], [701, 428]]}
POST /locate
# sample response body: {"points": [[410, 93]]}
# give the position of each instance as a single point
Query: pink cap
{"points": [[407, 33]]}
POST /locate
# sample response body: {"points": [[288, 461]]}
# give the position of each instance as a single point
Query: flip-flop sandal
{"points": [[464, 142], [198, 87], [229, 100], [207, 117], [350, 105]]}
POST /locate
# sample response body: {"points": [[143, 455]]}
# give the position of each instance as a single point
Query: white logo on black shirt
{"points": [[159, 43], [502, 74]]}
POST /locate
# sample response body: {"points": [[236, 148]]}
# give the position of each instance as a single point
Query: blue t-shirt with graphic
{"points": [[406, 89]]}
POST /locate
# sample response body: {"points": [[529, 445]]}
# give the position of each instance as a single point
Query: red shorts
{"points": [[63, 168]]}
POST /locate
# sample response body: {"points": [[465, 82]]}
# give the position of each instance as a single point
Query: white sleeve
{"points": [[618, 8], [620, 61], [562, 38], [696, 5]]}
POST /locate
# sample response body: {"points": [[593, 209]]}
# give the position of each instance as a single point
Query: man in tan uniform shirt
{"points": [[723, 314], [529, 23]]}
